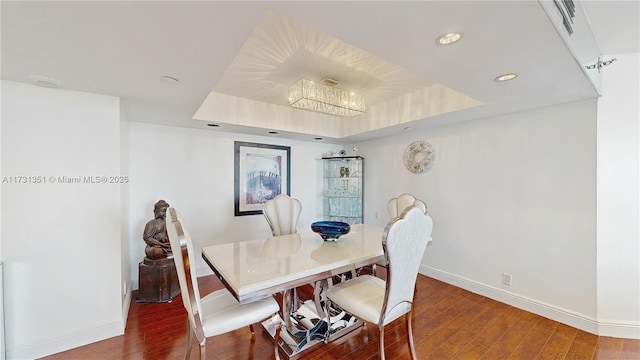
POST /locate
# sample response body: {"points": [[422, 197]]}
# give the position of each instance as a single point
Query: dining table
{"points": [[258, 268]]}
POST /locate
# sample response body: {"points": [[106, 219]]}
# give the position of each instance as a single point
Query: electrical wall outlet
{"points": [[506, 279]]}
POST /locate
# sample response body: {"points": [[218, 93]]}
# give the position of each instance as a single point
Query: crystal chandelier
{"points": [[308, 95]]}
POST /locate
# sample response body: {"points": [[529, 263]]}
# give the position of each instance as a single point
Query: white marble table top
{"points": [[258, 268]]}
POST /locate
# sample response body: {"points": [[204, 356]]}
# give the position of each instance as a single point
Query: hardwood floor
{"points": [[448, 323]]}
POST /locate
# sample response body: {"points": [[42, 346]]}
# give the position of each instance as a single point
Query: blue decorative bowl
{"points": [[330, 230]]}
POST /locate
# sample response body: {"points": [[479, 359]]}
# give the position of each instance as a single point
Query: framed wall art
{"points": [[261, 172]]}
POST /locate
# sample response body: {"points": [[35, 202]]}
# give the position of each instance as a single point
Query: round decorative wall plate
{"points": [[418, 156]]}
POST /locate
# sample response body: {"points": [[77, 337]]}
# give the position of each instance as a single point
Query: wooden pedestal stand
{"points": [[157, 280]]}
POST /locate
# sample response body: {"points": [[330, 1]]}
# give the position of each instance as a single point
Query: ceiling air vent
{"points": [[567, 10]]}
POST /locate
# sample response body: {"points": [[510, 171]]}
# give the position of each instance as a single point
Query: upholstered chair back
{"points": [[404, 243], [282, 214], [396, 206], [182, 248]]}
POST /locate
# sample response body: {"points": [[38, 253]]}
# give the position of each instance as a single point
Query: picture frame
{"points": [[261, 171]]}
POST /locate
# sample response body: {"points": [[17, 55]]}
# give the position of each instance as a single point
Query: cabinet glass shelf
{"points": [[343, 189]]}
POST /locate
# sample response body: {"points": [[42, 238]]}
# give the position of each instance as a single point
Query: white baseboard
{"points": [[63, 343], [583, 322], [619, 329]]}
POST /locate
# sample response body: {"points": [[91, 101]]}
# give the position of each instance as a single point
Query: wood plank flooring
{"points": [[448, 323]]}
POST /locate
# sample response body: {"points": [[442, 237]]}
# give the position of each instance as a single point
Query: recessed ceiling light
{"points": [[170, 80], [506, 77], [213, 125], [45, 81], [448, 38]]}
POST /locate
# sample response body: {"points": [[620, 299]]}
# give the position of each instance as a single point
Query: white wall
{"points": [[193, 171], [2, 331], [125, 274], [618, 181], [513, 194], [61, 241]]}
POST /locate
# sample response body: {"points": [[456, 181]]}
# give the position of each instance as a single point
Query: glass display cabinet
{"points": [[343, 189]]}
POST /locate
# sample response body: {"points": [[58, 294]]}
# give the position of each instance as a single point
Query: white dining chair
{"points": [[218, 312], [282, 214], [396, 205], [380, 302]]}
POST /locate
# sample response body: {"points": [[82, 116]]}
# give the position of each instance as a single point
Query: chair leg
{"points": [[381, 342], [189, 342], [412, 348], [203, 350], [253, 332], [365, 331]]}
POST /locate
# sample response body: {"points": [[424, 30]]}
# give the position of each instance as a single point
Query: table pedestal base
{"points": [[310, 329]]}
